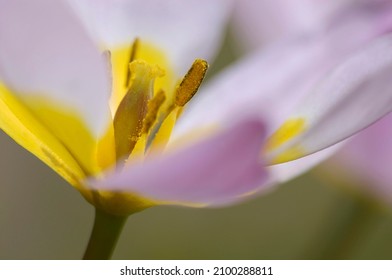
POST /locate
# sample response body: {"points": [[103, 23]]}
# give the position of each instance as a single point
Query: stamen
{"points": [[152, 110], [191, 82], [132, 57]]}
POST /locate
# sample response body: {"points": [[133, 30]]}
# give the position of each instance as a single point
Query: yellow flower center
{"points": [[146, 101]]}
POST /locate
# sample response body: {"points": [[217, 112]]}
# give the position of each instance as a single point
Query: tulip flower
{"points": [[88, 96], [95, 89]]}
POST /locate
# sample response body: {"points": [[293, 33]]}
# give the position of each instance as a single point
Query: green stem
{"points": [[106, 231]]}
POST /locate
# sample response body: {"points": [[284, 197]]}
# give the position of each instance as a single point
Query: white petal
{"points": [[185, 30], [46, 56]]}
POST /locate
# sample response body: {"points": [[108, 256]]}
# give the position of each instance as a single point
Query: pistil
{"points": [[128, 120]]}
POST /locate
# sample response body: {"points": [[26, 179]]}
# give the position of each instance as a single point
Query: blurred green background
{"points": [[41, 217]]}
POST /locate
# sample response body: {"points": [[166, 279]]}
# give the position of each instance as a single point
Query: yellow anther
{"points": [[290, 129], [191, 82], [152, 110]]}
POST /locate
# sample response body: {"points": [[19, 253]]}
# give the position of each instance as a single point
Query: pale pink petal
{"points": [[46, 56], [353, 96], [366, 159], [185, 30], [272, 81], [267, 83], [257, 22], [216, 171]]}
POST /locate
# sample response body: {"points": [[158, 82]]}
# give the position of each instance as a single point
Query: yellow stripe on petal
{"points": [[290, 129], [286, 132], [69, 128], [290, 154], [21, 125]]}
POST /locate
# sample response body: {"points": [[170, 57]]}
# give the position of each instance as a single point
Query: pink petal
{"points": [[215, 171], [367, 158], [353, 96], [273, 80], [257, 22]]}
